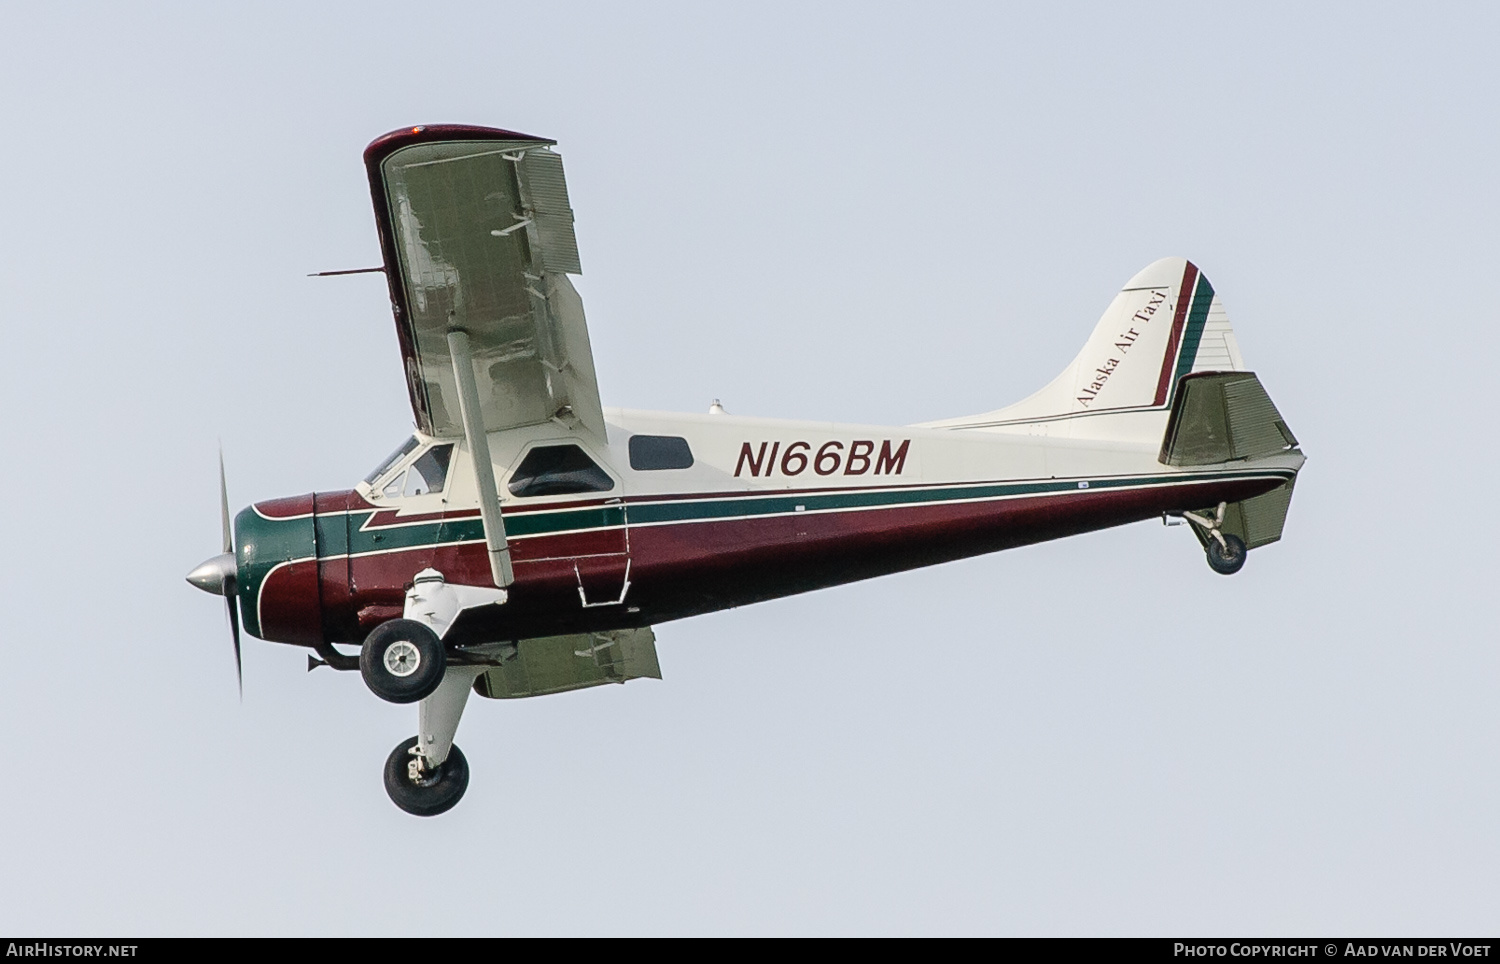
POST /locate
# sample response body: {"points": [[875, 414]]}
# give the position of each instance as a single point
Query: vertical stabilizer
{"points": [[1165, 323]]}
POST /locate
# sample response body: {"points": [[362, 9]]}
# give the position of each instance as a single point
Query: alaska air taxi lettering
{"points": [[829, 458], [446, 595], [1123, 343]]}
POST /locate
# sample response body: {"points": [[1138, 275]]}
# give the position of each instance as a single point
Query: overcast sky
{"points": [[871, 213]]}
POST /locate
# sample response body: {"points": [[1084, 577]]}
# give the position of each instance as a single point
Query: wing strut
{"points": [[479, 451]]}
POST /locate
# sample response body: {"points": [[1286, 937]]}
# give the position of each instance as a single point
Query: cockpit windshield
{"points": [[390, 460]]}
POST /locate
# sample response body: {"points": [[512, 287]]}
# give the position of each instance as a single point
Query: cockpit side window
{"points": [[406, 449], [558, 470], [429, 472]]}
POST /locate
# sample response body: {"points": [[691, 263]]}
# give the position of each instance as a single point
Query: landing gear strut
{"points": [[404, 661], [427, 775], [1226, 552]]}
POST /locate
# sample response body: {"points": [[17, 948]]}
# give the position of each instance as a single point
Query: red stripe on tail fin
{"points": [[1179, 319]]}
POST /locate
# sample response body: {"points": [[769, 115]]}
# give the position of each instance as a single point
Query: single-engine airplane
{"points": [[526, 540]]}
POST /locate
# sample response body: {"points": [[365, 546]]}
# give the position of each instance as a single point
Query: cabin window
{"points": [[405, 449], [558, 470], [651, 452]]}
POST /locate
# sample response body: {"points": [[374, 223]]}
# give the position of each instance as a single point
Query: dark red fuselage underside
{"points": [[685, 569]]}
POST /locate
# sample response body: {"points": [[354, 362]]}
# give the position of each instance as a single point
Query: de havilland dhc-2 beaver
{"points": [[525, 540]]}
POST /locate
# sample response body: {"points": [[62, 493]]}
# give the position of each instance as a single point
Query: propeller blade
{"points": [[231, 597], [224, 505], [230, 588]]}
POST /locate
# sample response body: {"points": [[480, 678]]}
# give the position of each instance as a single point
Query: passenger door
{"points": [[566, 517]]}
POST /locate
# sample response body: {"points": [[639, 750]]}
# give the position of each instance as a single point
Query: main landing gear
{"points": [[1226, 551], [427, 774], [403, 661], [423, 789]]}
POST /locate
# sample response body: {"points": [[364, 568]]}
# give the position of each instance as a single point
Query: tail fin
{"points": [[1166, 323]]}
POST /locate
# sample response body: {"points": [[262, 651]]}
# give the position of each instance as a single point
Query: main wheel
{"points": [[402, 661], [435, 792], [1229, 558]]}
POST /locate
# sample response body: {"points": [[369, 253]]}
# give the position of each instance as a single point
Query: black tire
{"points": [[1229, 558], [412, 671], [438, 792]]}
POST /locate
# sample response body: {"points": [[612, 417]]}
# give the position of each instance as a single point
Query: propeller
{"points": [[217, 575]]}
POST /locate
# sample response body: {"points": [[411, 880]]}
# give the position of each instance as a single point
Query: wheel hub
{"points": [[402, 659]]}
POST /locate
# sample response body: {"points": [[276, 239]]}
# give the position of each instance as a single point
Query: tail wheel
{"points": [[422, 790], [402, 661], [1229, 558]]}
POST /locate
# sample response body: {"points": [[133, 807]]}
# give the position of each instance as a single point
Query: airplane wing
{"points": [[556, 664], [477, 235]]}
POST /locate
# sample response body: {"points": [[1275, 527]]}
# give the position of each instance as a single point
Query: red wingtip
{"points": [[387, 144]]}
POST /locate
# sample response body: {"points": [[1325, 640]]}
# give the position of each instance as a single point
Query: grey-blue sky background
{"points": [[862, 213]]}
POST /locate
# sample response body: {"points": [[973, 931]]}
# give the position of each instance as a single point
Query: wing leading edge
{"points": [[477, 235]]}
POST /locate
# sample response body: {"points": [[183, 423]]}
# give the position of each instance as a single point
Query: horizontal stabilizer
{"points": [[1223, 417], [1256, 521], [556, 664], [1227, 417]]}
